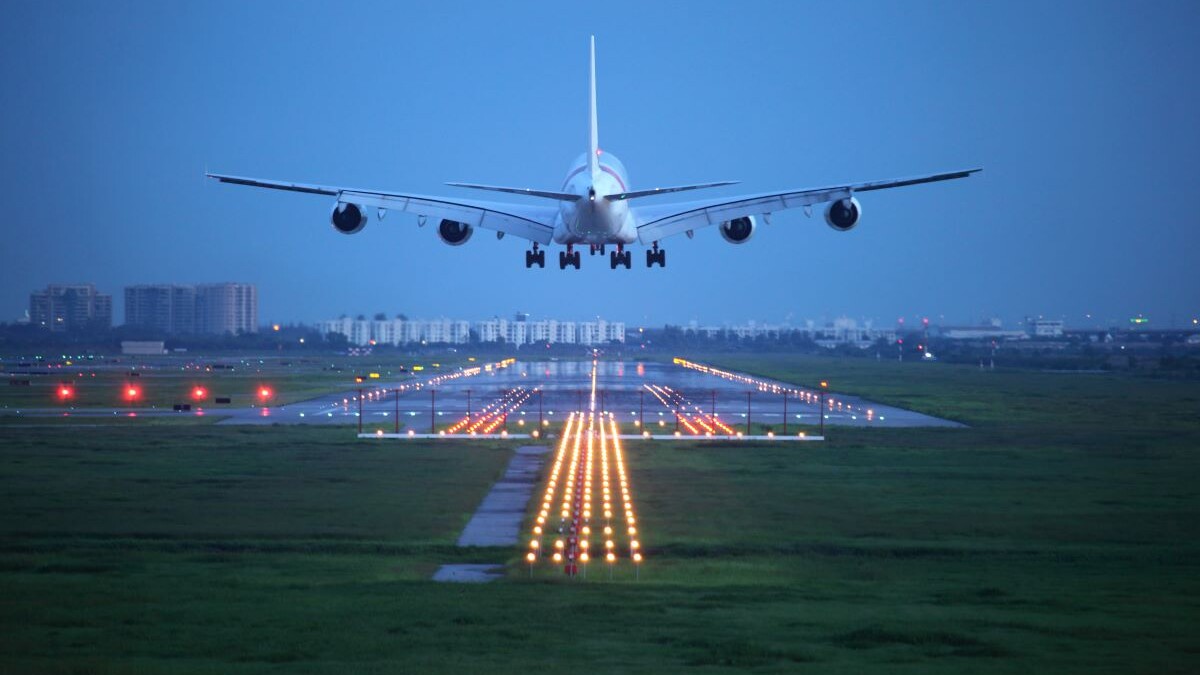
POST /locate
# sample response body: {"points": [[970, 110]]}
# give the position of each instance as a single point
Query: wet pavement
{"points": [[641, 392]]}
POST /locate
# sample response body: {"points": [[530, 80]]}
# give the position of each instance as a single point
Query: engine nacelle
{"points": [[738, 230], [348, 218], [843, 214], [455, 233]]}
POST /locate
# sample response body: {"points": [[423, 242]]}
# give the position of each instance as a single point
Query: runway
{"points": [[635, 392], [653, 396]]}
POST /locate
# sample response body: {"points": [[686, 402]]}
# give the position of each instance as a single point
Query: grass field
{"points": [[167, 380], [1057, 534]]}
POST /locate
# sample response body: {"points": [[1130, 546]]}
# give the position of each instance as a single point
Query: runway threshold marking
{"points": [[705, 423], [493, 414]]}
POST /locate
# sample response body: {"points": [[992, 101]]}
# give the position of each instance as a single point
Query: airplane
{"points": [[596, 206]]}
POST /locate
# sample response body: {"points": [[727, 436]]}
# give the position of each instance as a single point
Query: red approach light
{"points": [[132, 392], [66, 392], [264, 393], [199, 393]]}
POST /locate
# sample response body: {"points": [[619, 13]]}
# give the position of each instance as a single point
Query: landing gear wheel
{"points": [[575, 259], [535, 257], [562, 260], [658, 256], [624, 258]]}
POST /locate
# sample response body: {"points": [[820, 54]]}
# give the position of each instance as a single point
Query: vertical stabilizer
{"points": [[594, 135]]}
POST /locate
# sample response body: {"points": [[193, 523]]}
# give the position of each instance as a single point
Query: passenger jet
{"points": [[595, 207]]}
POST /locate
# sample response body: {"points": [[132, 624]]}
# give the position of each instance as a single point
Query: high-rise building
{"points": [[187, 308], [227, 308], [63, 307], [165, 308]]}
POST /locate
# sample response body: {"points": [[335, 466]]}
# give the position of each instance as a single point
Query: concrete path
{"points": [[497, 521], [468, 574]]}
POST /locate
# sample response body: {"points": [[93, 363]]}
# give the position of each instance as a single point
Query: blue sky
{"points": [[1083, 115]]}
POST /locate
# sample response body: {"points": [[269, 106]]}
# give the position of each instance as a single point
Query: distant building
{"points": [[143, 347], [988, 332], [165, 308], [1045, 328], [847, 331], [227, 308], [517, 331], [63, 307], [182, 309]]}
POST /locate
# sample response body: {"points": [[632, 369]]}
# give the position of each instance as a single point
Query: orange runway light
{"points": [[199, 393]]}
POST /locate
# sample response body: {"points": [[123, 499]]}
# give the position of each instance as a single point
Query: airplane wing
{"points": [[534, 222], [664, 220]]}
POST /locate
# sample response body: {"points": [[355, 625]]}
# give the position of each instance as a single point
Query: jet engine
{"points": [[455, 233], [843, 214], [348, 218], [738, 230]]}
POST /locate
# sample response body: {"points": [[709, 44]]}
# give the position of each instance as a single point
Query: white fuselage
{"points": [[592, 219]]}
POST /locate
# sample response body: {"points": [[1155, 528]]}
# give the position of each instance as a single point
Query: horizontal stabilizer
{"points": [[560, 196], [662, 191]]}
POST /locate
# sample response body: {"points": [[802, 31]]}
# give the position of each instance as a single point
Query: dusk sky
{"points": [[1083, 115]]}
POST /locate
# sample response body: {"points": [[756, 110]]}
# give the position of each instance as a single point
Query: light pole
{"points": [[824, 384], [785, 395], [748, 412]]}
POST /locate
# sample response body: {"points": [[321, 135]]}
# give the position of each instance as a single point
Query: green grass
{"points": [[1003, 398], [167, 380], [1029, 542]]}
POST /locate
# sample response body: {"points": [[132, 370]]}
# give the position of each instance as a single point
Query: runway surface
{"points": [[664, 397]]}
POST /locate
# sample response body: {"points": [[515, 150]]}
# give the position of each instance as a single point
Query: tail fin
{"points": [[594, 135]]}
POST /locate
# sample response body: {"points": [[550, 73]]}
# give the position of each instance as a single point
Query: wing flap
{"points": [[664, 220], [529, 221], [526, 221], [662, 191], [669, 220], [560, 196]]}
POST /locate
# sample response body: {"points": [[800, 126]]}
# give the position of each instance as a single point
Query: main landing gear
{"points": [[593, 249], [568, 257], [535, 257], [656, 255], [620, 257]]}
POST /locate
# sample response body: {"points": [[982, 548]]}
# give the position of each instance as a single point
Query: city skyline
{"points": [[117, 305]]}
